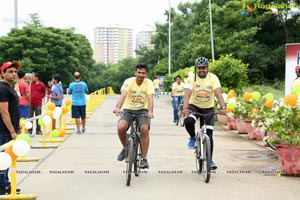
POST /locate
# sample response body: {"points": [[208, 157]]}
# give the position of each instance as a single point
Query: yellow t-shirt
{"points": [[203, 95], [178, 89], [137, 98], [156, 83]]}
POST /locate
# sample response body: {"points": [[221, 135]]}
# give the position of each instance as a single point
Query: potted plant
{"points": [[266, 110], [284, 121], [245, 110]]}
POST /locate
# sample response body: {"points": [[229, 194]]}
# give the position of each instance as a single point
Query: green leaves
{"points": [[48, 50]]}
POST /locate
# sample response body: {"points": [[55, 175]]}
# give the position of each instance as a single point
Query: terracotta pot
{"points": [[231, 123], [241, 126], [222, 119], [289, 158], [255, 133]]}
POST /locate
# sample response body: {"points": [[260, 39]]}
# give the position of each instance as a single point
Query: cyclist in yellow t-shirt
{"points": [[199, 96], [156, 86], [137, 96], [177, 95]]}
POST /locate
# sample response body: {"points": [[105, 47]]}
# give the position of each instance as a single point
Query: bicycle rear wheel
{"points": [[198, 158], [206, 158], [129, 160]]}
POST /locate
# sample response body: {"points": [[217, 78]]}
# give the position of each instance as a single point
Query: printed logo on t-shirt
{"points": [[137, 101], [202, 96]]}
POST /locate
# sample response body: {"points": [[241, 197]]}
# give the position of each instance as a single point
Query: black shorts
{"points": [[210, 120], [141, 119], [78, 112]]}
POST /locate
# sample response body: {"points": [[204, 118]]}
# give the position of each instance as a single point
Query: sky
{"points": [[85, 15]]}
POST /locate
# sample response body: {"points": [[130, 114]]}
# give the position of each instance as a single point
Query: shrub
{"points": [[231, 72]]}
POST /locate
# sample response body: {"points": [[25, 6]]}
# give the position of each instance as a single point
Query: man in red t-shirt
{"points": [[38, 92], [22, 89]]}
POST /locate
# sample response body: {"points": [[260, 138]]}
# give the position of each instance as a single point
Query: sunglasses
{"points": [[201, 67]]}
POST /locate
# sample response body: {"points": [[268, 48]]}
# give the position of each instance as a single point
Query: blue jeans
{"points": [[156, 92], [175, 102], [4, 181]]}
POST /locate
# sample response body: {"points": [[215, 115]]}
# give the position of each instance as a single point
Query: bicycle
{"points": [[180, 114], [133, 150], [156, 94], [265, 139], [203, 149]]}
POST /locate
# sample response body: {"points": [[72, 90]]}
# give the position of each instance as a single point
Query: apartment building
{"points": [[143, 39], [112, 44]]}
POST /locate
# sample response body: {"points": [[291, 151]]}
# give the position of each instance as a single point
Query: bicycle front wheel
{"points": [[129, 160], [138, 154], [198, 158], [206, 158], [181, 116]]}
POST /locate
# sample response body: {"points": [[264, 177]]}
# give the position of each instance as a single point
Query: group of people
{"points": [[19, 99], [198, 94], [31, 94]]}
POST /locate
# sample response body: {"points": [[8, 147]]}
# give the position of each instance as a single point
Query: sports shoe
{"points": [[7, 190], [39, 133], [31, 135], [144, 164], [213, 165], [78, 132], [191, 143], [83, 130], [122, 155]]}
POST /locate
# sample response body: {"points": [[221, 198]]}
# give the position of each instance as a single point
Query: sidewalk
{"points": [[85, 166]]}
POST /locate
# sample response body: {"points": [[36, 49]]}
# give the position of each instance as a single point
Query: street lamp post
{"points": [[169, 57], [16, 13], [211, 33]]}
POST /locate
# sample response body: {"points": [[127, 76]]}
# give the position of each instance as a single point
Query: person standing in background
{"points": [[10, 115], [23, 91], [57, 95], [78, 89], [37, 92], [49, 91]]}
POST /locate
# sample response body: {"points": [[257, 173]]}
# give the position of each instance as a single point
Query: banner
{"points": [[292, 59]]}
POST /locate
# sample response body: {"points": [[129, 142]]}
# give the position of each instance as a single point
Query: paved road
{"points": [[85, 166]]}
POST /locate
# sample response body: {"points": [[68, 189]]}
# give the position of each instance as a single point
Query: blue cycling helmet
{"points": [[201, 62]]}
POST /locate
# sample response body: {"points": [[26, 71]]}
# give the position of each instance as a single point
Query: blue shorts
{"points": [[78, 112], [24, 111]]}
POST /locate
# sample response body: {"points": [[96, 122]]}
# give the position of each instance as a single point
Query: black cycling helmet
{"points": [[201, 62]]}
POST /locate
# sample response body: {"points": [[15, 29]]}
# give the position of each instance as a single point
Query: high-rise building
{"points": [[112, 44], [143, 39]]}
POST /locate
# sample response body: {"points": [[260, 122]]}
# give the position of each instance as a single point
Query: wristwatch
{"points": [[223, 108]]}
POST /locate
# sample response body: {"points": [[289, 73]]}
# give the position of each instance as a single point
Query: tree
{"points": [[48, 50]]}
